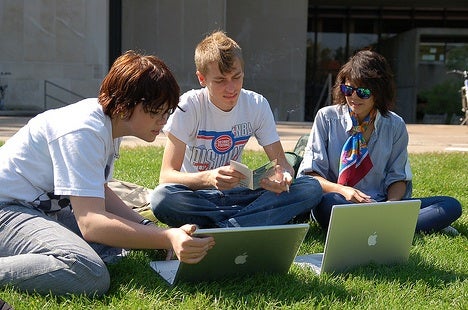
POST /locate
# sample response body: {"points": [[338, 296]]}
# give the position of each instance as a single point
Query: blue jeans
{"points": [[176, 205], [39, 253], [436, 212]]}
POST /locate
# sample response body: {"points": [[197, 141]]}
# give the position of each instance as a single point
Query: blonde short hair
{"points": [[219, 48]]}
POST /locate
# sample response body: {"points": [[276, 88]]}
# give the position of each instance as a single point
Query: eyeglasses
{"points": [[363, 93], [162, 112]]}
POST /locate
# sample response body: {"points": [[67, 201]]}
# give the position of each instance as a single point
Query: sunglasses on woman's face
{"points": [[363, 93]]}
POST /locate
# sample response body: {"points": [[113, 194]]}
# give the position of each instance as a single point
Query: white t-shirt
{"points": [[68, 151], [214, 137]]}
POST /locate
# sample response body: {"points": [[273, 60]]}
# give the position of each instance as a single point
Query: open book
{"points": [[253, 177]]}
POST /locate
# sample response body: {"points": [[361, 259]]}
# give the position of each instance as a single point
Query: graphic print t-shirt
{"points": [[213, 137]]}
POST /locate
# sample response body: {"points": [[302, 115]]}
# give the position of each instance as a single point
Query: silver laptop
{"points": [[360, 234], [238, 252]]}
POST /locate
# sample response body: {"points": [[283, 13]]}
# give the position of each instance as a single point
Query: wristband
{"points": [[146, 222]]}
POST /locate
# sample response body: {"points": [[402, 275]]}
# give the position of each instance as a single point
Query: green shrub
{"points": [[443, 98]]}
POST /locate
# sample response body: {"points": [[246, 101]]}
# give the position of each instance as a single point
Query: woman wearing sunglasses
{"points": [[357, 148]]}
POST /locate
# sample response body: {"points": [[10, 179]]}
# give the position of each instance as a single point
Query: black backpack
{"points": [[295, 158]]}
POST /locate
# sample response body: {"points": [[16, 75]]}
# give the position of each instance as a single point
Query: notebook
{"points": [[359, 234], [239, 251]]}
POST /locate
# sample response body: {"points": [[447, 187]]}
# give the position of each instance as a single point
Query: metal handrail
{"points": [[61, 88], [326, 86]]}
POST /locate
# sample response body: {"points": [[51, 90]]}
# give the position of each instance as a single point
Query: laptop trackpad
{"points": [[313, 261]]}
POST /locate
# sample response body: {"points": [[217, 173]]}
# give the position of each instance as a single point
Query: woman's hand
{"points": [[355, 195], [189, 249]]}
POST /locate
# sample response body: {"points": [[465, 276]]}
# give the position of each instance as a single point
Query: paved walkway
{"points": [[423, 138]]}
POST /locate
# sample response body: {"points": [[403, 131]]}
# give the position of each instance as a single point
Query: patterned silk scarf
{"points": [[355, 159]]}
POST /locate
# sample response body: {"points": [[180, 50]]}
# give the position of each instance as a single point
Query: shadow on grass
{"points": [[133, 275], [248, 291], [415, 270], [297, 286]]}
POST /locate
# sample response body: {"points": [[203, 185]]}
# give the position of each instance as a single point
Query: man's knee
{"points": [[158, 198], [98, 283], [309, 187], [83, 277], [90, 274], [162, 202]]}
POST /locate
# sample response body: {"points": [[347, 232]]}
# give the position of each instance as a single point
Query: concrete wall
{"points": [[272, 35], [61, 41], [171, 29], [66, 42], [402, 53]]}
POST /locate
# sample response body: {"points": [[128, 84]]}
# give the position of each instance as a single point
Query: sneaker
{"points": [[449, 230]]}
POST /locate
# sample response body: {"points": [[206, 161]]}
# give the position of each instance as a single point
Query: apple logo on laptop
{"points": [[372, 240], [241, 259]]}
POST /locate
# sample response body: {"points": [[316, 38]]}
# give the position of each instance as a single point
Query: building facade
{"points": [[54, 52]]}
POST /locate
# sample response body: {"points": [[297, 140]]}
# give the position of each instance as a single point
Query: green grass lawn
{"points": [[435, 276]]}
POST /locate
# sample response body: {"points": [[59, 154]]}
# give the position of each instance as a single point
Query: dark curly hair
{"points": [[371, 70]]}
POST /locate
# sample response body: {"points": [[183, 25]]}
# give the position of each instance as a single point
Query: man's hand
{"points": [[189, 249], [224, 178], [279, 182]]}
